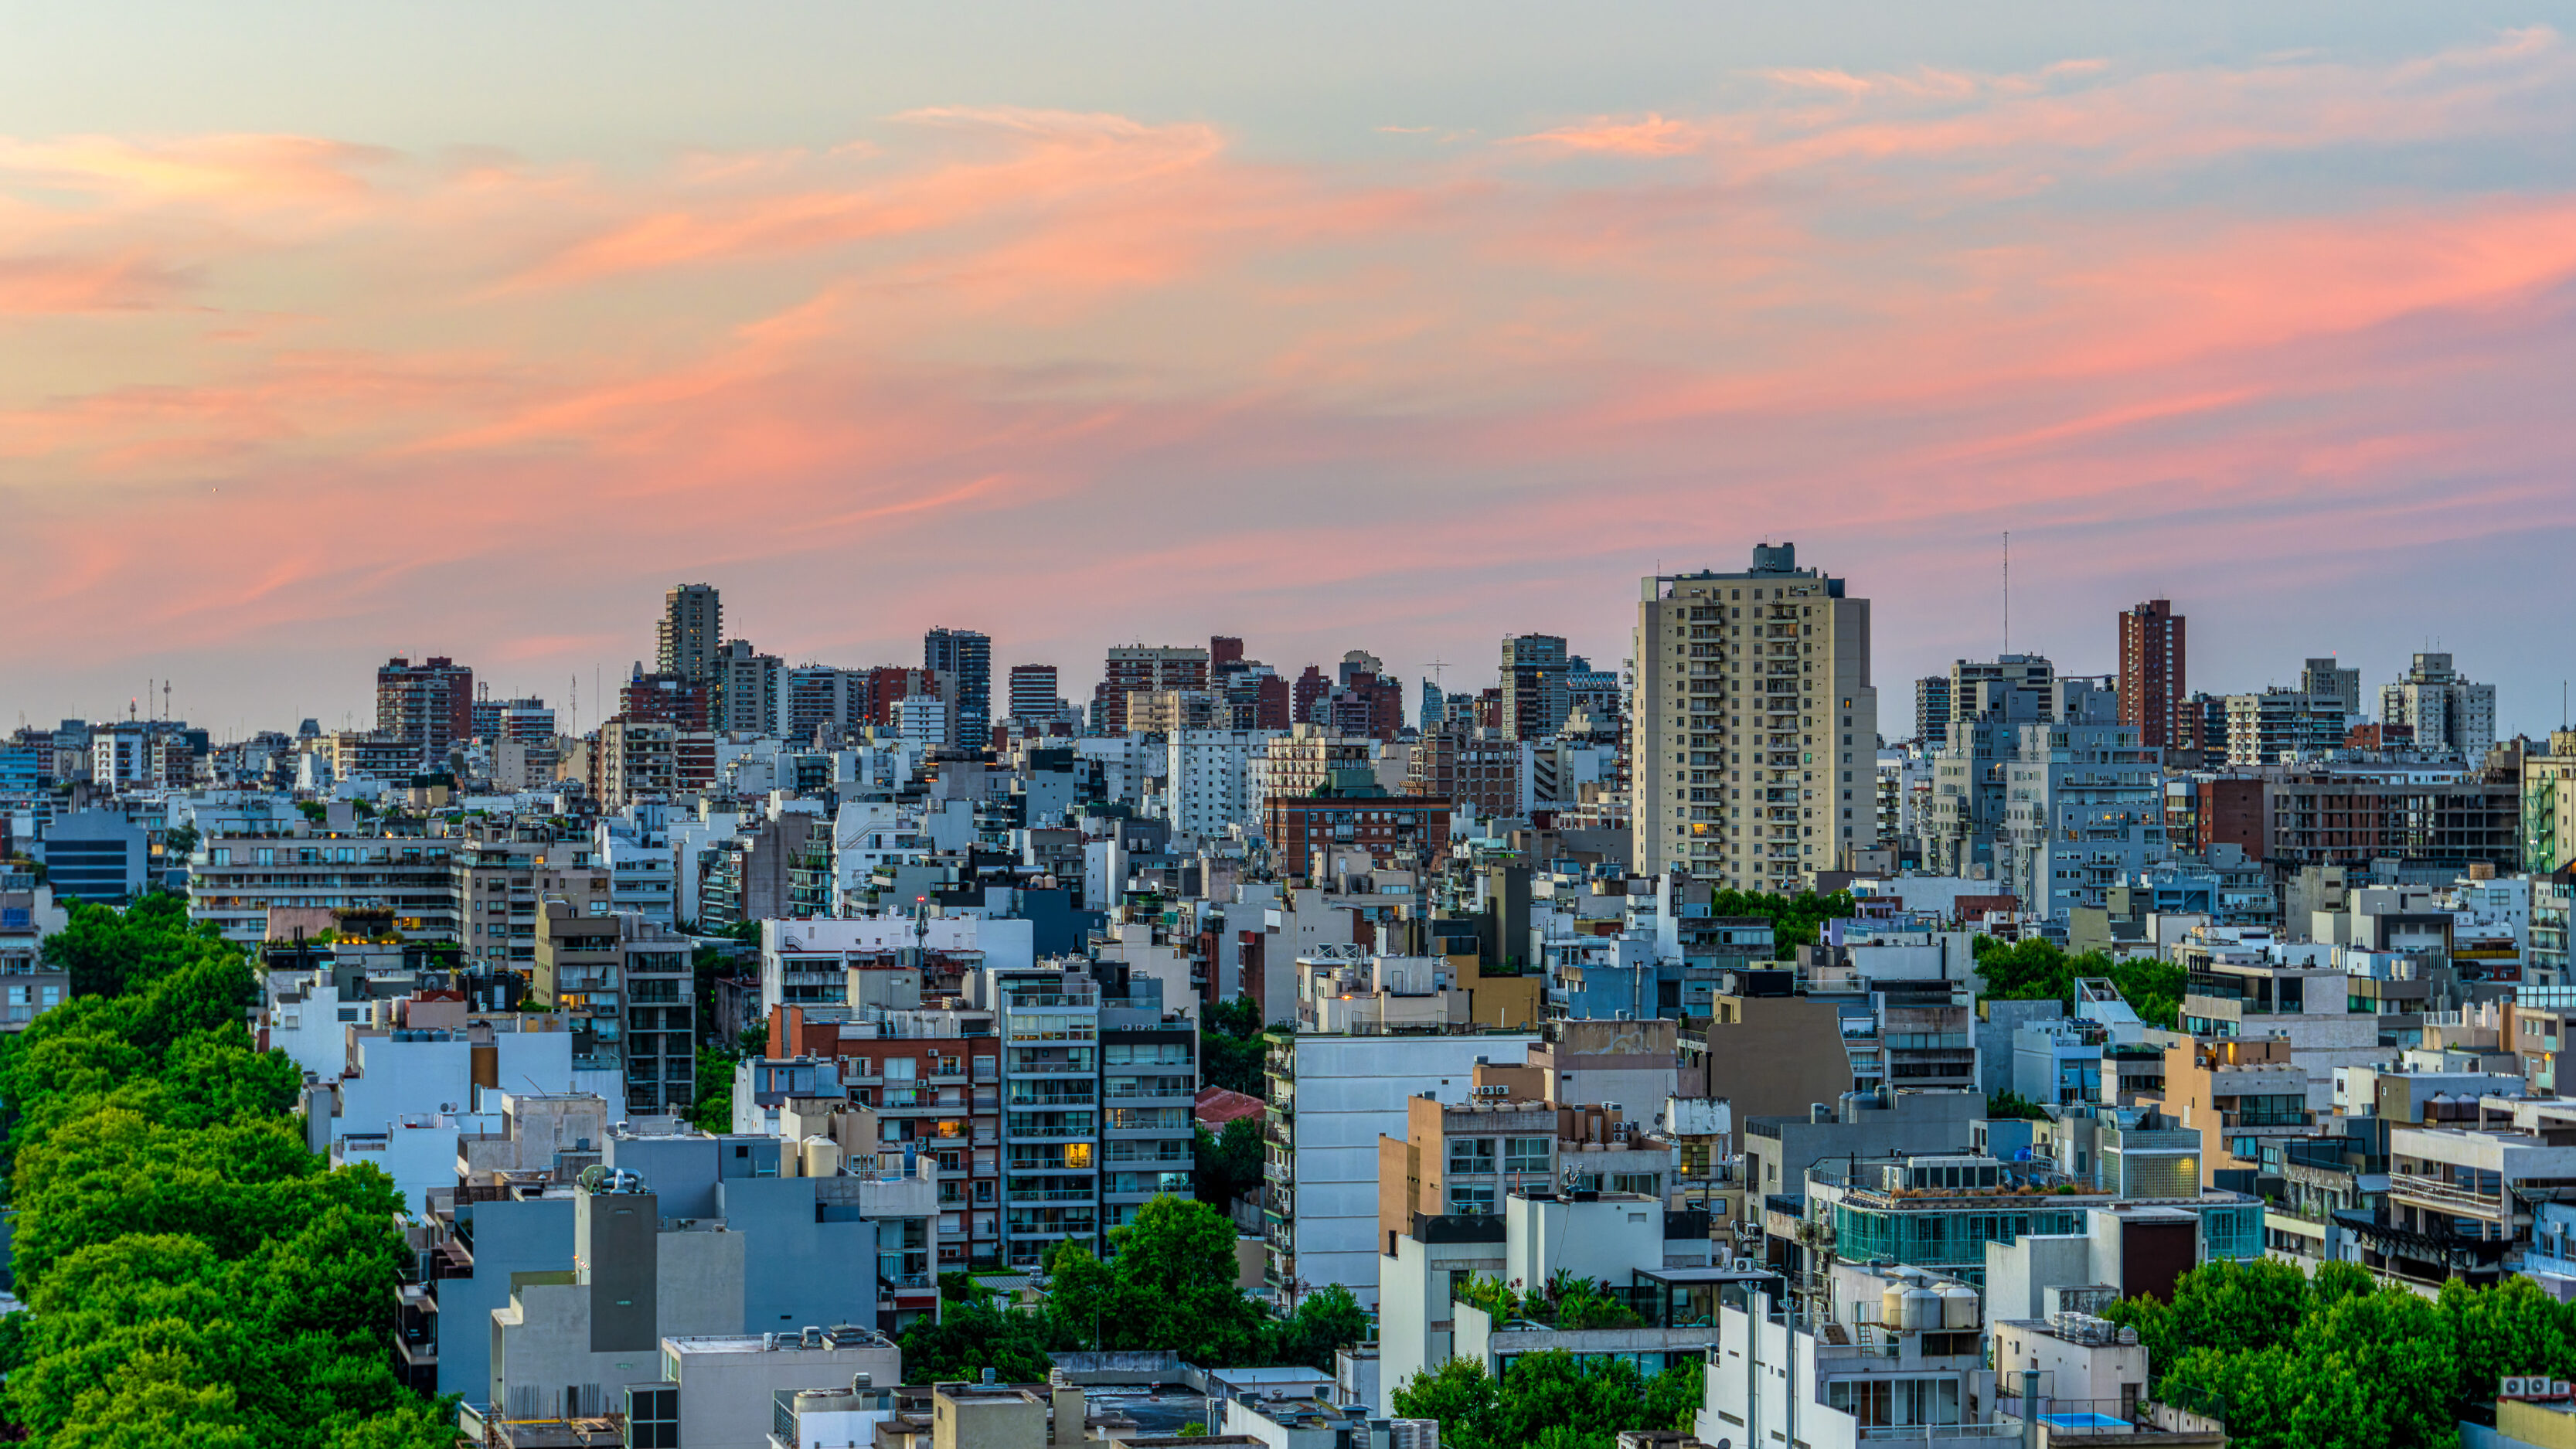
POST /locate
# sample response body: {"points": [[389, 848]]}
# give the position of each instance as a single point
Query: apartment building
{"points": [[2154, 674], [499, 880], [1331, 1097], [933, 1078], [636, 759], [234, 880], [1533, 684], [1635, 1251], [2461, 1200], [966, 656], [28, 915], [1208, 779], [1353, 811], [2440, 709], [2549, 806], [687, 636], [1941, 1211], [2283, 725], [424, 708], [2355, 816], [1142, 669], [628, 984], [1754, 714], [2084, 810], [747, 689]]}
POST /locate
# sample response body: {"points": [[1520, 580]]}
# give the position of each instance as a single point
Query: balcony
{"points": [[1050, 1194], [2447, 1196]]}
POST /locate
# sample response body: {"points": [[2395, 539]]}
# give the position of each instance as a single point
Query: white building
{"points": [[2084, 808], [635, 848], [1208, 779], [807, 962], [2442, 709], [1340, 1094]]}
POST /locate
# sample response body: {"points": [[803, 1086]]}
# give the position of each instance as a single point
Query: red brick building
{"points": [[1393, 829]]}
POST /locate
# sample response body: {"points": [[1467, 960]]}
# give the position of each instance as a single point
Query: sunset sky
{"points": [[329, 333]]}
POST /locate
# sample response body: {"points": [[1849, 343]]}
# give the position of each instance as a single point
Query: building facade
{"points": [[2155, 691], [1754, 725]]}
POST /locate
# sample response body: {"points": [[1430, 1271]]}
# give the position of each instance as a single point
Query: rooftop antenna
{"points": [[2007, 591]]}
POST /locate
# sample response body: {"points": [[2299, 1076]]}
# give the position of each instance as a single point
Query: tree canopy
{"points": [[1550, 1399], [1232, 1047], [193, 1274], [1229, 1163], [2038, 970], [1795, 920], [2339, 1361], [1170, 1285]]}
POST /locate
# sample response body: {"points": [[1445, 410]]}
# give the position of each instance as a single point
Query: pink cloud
{"points": [[1064, 374]]}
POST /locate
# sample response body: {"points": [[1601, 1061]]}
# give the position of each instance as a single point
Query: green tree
{"points": [[1228, 1164], [1673, 1397], [192, 1273], [965, 1338], [1084, 1305], [1327, 1319], [1458, 1393], [1795, 920], [2037, 970], [1176, 1273], [712, 1109], [1232, 1047], [2009, 1104]]}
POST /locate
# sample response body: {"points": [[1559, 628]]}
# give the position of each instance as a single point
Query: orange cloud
{"points": [[1063, 373]]}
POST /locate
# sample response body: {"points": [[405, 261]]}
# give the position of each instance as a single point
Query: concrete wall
{"points": [[543, 1339], [1605, 1241], [1349, 1092], [802, 1273], [509, 1237], [726, 1397]]}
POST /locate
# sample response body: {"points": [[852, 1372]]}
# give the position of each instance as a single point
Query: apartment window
{"points": [[653, 1418], [1471, 1199], [1471, 1154], [1527, 1154]]}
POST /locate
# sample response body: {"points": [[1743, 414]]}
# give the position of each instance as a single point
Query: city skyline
{"points": [[1080, 341]]}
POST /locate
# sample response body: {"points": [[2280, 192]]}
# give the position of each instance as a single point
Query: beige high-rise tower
{"points": [[1753, 731]]}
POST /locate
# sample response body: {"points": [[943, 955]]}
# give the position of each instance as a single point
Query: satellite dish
{"points": [[592, 1176]]}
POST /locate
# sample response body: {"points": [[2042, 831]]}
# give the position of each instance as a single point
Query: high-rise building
{"points": [[673, 699], [746, 687], [2322, 676], [1310, 687], [1132, 668], [1754, 727], [1533, 679], [2444, 710], [2084, 811], [1932, 711], [968, 655], [685, 642], [425, 707], [2283, 725], [2154, 696], [1035, 694]]}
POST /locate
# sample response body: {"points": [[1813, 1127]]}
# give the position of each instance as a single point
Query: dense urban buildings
{"points": [[722, 1030]]}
